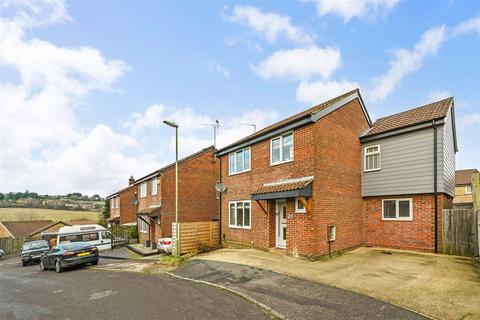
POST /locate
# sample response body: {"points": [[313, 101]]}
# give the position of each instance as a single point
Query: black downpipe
{"points": [[435, 192]]}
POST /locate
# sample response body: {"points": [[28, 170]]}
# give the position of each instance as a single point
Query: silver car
{"points": [[165, 245], [1, 253]]}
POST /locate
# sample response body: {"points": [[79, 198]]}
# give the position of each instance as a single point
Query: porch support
{"points": [[262, 207], [307, 203]]}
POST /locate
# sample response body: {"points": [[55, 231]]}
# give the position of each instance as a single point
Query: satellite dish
{"points": [[220, 187]]}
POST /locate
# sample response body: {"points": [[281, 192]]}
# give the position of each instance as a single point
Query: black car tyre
{"points": [[24, 263], [42, 266], [58, 266], [94, 263]]}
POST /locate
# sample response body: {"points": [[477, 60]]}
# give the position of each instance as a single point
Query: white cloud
{"points": [[407, 61], [317, 92], [467, 26], [438, 95], [300, 64], [269, 25], [348, 9], [43, 147], [469, 120], [214, 66]]}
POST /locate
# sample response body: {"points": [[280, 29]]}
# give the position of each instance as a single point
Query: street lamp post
{"points": [[177, 235]]}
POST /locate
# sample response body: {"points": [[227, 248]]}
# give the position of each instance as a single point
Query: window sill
{"points": [[397, 219], [236, 173], [143, 231], [238, 227], [301, 211], [372, 170], [279, 163]]}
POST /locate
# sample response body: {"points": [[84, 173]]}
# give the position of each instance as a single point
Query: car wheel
{"points": [[58, 266], [94, 263], [24, 263], [42, 266]]}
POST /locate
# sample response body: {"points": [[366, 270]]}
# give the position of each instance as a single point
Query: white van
{"points": [[93, 234]]}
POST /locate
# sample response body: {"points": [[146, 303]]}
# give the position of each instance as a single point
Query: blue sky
{"points": [[85, 85]]}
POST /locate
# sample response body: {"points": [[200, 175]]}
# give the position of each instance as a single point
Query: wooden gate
{"points": [[196, 236], [460, 232]]}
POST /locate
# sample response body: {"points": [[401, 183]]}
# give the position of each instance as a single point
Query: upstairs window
{"points": [[468, 189], [397, 209], [143, 190], [281, 149], [239, 161], [154, 186], [372, 158]]}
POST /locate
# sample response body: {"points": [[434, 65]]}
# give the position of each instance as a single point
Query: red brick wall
{"points": [[417, 234], [329, 150], [127, 210], [149, 200]]}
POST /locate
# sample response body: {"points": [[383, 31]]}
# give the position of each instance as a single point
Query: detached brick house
{"points": [[465, 191], [198, 174], [328, 179], [122, 209]]}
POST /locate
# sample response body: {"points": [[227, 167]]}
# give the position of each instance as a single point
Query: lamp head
{"points": [[170, 123]]}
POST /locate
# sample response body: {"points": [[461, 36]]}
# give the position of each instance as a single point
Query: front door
{"points": [[281, 223]]}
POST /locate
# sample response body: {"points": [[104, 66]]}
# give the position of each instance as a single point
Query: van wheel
{"points": [[42, 266], [58, 266]]}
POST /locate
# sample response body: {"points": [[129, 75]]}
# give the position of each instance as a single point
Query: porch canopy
{"points": [[153, 211], [291, 188]]}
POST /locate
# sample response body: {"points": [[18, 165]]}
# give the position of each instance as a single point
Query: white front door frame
{"points": [[281, 223]]}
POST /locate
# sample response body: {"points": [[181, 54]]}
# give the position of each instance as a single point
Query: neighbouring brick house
{"points": [[465, 191], [198, 174], [302, 184], [288, 183], [122, 209], [408, 158]]}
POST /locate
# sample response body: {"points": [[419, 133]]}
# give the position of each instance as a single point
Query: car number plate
{"points": [[83, 254]]}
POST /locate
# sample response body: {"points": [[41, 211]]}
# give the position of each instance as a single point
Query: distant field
{"points": [[23, 214]]}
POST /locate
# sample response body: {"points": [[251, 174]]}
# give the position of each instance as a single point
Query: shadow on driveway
{"points": [[294, 298]]}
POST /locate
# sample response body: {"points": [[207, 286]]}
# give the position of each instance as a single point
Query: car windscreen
{"points": [[35, 245], [84, 237]]}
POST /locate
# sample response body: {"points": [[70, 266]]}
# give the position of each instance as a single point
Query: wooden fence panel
{"points": [[193, 235], [10, 245], [460, 232]]}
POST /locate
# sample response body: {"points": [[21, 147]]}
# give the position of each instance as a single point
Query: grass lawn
{"points": [[25, 214]]}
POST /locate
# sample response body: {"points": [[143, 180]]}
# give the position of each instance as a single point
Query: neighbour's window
{"points": [[239, 214], [372, 158], [143, 224], [154, 186], [468, 189], [143, 190], [239, 161], [281, 149], [299, 207], [397, 209]]}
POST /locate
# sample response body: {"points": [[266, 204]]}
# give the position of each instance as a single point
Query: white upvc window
{"points": [[240, 214], [143, 190], [154, 186], [397, 209], [143, 224], [239, 161], [299, 207], [468, 189], [281, 149], [372, 159]]}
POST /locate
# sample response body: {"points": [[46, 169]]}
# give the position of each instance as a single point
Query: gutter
{"points": [[435, 183]]}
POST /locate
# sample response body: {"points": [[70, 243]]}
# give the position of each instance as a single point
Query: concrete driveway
{"points": [[292, 297], [439, 286]]}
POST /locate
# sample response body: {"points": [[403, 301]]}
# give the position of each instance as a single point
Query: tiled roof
{"points": [[293, 118], [47, 227], [114, 219], [81, 222], [21, 229], [463, 177], [429, 112], [282, 187], [149, 211]]}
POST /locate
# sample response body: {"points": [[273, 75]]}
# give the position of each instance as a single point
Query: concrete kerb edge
{"points": [[334, 286], [240, 294]]}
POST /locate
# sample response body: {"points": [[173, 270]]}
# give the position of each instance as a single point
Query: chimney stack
{"points": [[131, 181]]}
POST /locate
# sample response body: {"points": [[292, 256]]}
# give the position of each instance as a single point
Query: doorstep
{"points": [[140, 249], [277, 250]]}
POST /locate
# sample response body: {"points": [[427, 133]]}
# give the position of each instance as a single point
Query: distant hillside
{"points": [[26, 214]]}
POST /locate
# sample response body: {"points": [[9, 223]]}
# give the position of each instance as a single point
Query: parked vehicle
{"points": [[165, 245], [32, 251], [93, 234], [68, 255], [2, 253]]}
